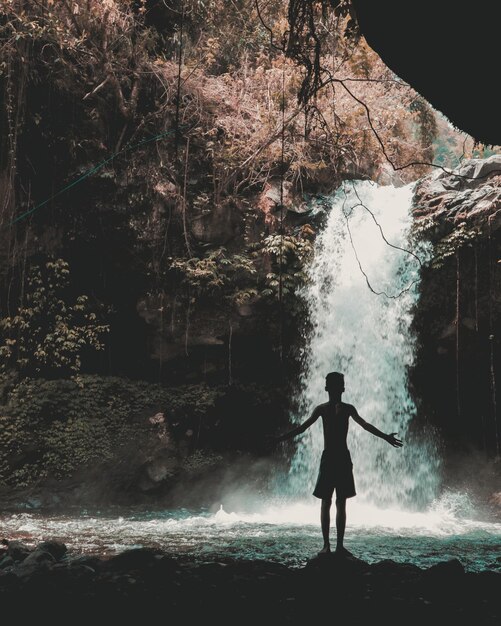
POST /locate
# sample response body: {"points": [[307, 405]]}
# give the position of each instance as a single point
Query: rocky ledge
{"points": [[471, 194], [140, 583]]}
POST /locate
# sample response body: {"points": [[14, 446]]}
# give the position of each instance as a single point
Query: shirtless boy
{"points": [[335, 466]]}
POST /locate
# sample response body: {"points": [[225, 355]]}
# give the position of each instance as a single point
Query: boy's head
{"points": [[334, 382]]}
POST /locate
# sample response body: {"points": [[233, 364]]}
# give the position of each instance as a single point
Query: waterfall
{"points": [[368, 338]]}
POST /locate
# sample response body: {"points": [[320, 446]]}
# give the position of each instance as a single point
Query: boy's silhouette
{"points": [[335, 465]]}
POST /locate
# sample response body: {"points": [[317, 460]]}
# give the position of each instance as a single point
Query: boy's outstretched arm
{"points": [[302, 427], [391, 439]]}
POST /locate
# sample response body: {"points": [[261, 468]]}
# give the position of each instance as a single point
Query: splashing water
{"points": [[285, 533], [366, 336]]}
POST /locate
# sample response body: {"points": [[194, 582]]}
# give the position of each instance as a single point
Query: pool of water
{"points": [[285, 533]]}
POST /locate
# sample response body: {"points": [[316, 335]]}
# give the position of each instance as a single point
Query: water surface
{"points": [[280, 532]]}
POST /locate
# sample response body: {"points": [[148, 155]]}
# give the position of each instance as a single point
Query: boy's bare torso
{"points": [[335, 421]]}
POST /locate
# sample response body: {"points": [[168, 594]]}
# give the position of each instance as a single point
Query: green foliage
{"points": [[427, 128], [447, 247], [427, 233], [216, 274], [444, 248], [290, 256], [17, 440], [238, 278], [53, 428], [202, 461], [189, 402], [49, 332]]}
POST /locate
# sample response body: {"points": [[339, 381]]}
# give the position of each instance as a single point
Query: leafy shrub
{"points": [[49, 332], [52, 428], [444, 246], [217, 274], [290, 256]]}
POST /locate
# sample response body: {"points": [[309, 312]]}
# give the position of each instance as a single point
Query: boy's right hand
{"points": [[393, 441]]}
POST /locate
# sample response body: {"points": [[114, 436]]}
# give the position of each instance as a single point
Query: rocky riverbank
{"points": [[142, 583]]}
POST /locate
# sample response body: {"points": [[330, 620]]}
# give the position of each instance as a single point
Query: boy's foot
{"points": [[342, 551], [325, 550]]}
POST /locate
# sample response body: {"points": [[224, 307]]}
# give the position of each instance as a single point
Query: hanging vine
{"points": [[281, 256], [457, 324], [307, 32], [492, 340], [178, 89]]}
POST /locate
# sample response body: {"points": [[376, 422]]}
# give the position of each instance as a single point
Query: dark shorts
{"points": [[336, 472]]}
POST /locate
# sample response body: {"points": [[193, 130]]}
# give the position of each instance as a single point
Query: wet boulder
{"points": [[55, 548], [36, 562], [6, 561], [17, 550], [445, 570], [134, 559], [443, 580]]}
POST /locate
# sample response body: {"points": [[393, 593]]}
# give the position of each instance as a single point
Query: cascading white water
{"points": [[366, 337]]}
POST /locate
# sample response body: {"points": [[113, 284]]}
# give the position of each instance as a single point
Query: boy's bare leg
{"points": [[325, 521], [340, 523]]}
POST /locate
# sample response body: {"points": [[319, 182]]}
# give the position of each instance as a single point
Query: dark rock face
{"points": [[144, 582], [218, 225], [420, 43], [455, 378]]}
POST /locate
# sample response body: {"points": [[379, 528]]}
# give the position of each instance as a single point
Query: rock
{"points": [[92, 562], [446, 569], [481, 168], [81, 570], [8, 581], [17, 550], [189, 591], [388, 567], [443, 578], [55, 548], [161, 468], [268, 201], [341, 565], [36, 561], [216, 225], [166, 318], [33, 503], [6, 561], [272, 195], [450, 199], [165, 564], [136, 558]]}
